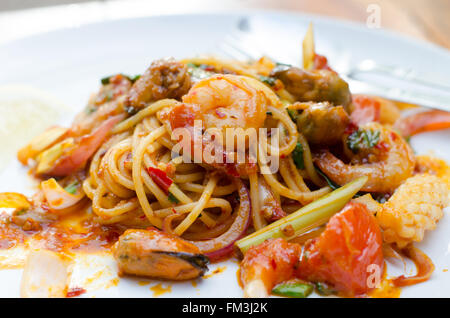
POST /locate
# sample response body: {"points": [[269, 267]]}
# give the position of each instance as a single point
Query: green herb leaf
{"points": [[269, 113], [363, 139], [295, 289], [72, 187], [330, 182], [20, 212], [134, 78], [105, 80], [198, 73], [268, 80], [324, 290], [297, 155], [172, 198], [293, 114]]}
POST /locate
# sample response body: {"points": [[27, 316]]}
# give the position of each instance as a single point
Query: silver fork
{"points": [[408, 86]]}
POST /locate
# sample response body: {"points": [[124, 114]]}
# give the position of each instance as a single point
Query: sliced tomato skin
{"points": [[341, 255], [367, 109]]}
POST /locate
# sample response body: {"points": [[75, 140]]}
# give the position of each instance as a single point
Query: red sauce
{"points": [[75, 291]]}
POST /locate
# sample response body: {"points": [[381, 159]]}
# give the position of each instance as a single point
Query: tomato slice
{"points": [[422, 122], [342, 254], [367, 109]]}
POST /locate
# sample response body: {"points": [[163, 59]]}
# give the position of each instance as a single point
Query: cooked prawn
{"points": [[388, 163], [221, 102], [268, 264]]}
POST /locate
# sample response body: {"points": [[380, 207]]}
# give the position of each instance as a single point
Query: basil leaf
{"points": [[296, 290], [297, 155]]}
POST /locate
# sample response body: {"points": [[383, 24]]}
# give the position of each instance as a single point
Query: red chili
{"points": [[75, 291], [160, 178]]}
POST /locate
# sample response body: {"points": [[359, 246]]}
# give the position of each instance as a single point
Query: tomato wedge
{"points": [[422, 122], [84, 149], [367, 109], [342, 254]]}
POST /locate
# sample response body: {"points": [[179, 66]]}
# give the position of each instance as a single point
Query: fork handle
{"points": [[436, 100]]}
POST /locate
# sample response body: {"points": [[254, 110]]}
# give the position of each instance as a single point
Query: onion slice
{"points": [[423, 264], [45, 275], [223, 245], [57, 197]]}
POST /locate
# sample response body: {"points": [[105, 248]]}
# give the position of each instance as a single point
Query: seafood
{"points": [[268, 264], [322, 123], [157, 254], [387, 160], [314, 85], [416, 206]]}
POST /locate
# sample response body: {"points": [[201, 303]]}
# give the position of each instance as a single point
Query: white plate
{"points": [[68, 63]]}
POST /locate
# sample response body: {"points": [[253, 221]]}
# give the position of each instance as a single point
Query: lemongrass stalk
{"points": [[307, 218]]}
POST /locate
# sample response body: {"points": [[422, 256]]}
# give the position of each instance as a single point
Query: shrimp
{"points": [[376, 151], [340, 256], [228, 101], [268, 264], [221, 102]]}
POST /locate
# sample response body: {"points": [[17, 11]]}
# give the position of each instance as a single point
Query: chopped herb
{"points": [[172, 198], [131, 110], [293, 114], [281, 67], [324, 290], [105, 80], [331, 183], [268, 80], [297, 155], [293, 289], [363, 139], [90, 109], [134, 78], [72, 188], [20, 212], [197, 72], [269, 113]]}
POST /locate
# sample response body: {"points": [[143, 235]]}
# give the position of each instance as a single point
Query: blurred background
{"points": [[425, 19]]}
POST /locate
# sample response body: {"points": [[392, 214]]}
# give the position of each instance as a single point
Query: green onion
{"points": [[72, 188], [172, 198], [297, 155], [293, 289], [308, 217]]}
